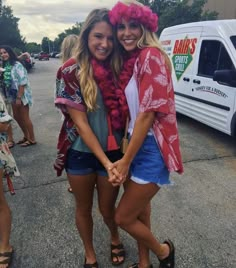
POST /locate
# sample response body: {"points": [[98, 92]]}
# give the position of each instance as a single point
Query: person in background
{"points": [[16, 90], [7, 168], [10, 140], [92, 129], [153, 150], [67, 49]]}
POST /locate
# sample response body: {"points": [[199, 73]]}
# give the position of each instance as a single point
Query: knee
{"points": [[121, 220], [83, 211]]}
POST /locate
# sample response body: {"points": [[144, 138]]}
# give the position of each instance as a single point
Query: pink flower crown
{"points": [[139, 13]]}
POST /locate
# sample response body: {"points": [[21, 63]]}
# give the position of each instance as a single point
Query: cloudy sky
{"points": [[48, 18]]}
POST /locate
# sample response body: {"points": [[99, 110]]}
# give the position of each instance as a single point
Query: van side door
{"points": [[213, 102], [181, 48]]}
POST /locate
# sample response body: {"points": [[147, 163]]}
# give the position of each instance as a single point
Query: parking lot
{"points": [[197, 213]]}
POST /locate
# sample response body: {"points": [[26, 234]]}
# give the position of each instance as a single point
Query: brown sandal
{"points": [[116, 255], [10, 144], [28, 143], [24, 139]]}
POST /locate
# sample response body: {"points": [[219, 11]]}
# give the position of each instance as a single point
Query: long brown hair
{"points": [[83, 55]]}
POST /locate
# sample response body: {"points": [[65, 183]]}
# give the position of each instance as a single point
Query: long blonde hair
{"points": [[83, 55], [149, 39], [68, 46]]}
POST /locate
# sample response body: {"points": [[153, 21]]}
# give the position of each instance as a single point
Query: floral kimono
{"points": [[6, 158]]}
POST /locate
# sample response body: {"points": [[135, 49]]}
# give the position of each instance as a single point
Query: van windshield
{"points": [[233, 39]]}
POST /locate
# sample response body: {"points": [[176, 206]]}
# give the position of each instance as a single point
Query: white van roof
{"points": [[213, 27]]}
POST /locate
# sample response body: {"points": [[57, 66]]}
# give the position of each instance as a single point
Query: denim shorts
{"points": [[82, 163], [148, 164]]}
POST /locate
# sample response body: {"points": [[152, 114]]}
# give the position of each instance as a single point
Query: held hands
{"points": [[118, 172]]}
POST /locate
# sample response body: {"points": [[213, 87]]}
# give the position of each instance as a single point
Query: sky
{"points": [[48, 18]]}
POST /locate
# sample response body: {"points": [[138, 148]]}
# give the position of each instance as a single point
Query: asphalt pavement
{"points": [[197, 213]]}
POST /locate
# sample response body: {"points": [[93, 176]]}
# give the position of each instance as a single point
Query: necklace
{"points": [[113, 92]]}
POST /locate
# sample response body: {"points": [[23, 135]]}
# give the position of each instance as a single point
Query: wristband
{"points": [[18, 97]]}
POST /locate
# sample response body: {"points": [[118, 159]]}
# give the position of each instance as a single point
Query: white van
{"points": [[203, 55]]}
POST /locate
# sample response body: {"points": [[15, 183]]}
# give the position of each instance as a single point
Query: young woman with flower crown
{"points": [[95, 111], [153, 149]]}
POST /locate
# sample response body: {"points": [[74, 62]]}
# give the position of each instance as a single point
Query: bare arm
{"points": [[142, 125]]}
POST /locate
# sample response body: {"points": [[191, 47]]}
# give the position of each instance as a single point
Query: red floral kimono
{"points": [[156, 93]]}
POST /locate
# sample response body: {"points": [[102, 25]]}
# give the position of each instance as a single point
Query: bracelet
{"points": [[18, 97]]}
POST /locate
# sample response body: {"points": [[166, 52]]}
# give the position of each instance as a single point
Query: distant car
{"points": [[53, 54], [36, 55], [43, 56], [58, 55]]}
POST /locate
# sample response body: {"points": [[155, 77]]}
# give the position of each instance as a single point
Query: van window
{"points": [[213, 56], [233, 39]]}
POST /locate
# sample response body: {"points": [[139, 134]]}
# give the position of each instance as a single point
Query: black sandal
{"points": [[88, 265], [168, 262], [120, 253], [135, 265]]}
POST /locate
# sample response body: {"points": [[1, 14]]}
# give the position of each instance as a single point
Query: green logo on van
{"points": [[180, 63]]}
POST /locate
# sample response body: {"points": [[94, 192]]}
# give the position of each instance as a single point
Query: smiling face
{"points": [[128, 34], [100, 41], [4, 54]]}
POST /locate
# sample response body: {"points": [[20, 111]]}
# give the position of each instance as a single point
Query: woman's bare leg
{"points": [[27, 122], [83, 189], [143, 251], [134, 200], [10, 134], [107, 195], [18, 117]]}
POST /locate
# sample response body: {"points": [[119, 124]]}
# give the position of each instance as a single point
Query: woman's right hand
{"points": [[120, 170]]}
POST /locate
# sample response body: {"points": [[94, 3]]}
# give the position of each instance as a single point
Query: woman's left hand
{"points": [[18, 101], [123, 169]]}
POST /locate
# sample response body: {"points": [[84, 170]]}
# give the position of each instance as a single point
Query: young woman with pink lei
{"points": [[153, 151]]}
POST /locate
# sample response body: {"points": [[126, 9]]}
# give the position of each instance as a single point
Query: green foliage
{"points": [[33, 47], [174, 12], [74, 30], [9, 33]]}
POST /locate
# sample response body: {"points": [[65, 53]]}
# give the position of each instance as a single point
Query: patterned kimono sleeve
{"points": [[153, 81], [21, 74], [68, 93]]}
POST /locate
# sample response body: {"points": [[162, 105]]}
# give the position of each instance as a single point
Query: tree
{"points": [[45, 45], [174, 12], [74, 30], [33, 47], [9, 33]]}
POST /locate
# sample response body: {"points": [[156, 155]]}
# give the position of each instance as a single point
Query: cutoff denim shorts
{"points": [[82, 163], [148, 164]]}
